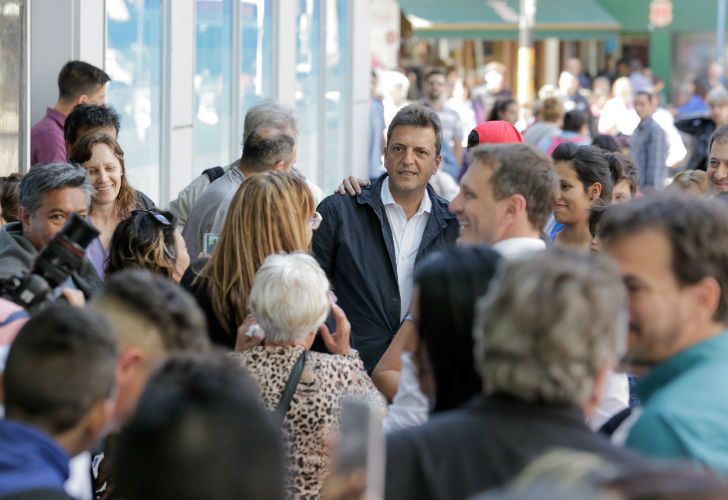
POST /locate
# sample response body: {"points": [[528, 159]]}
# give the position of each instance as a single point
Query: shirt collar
{"points": [[388, 199], [56, 116], [715, 348], [515, 247]]}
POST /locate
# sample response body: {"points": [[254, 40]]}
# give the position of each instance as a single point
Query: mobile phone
{"points": [[361, 445], [209, 243]]}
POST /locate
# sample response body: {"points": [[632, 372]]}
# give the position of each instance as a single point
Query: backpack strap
{"points": [[214, 173], [285, 403]]}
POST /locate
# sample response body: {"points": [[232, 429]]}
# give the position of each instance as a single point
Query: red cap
{"points": [[495, 132]]}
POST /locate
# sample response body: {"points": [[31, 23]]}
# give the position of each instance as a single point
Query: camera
{"points": [[59, 259]]}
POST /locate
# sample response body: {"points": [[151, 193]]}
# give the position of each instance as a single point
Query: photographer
{"points": [[49, 194]]}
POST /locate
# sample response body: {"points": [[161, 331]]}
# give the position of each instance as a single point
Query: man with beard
{"points": [[672, 253]]}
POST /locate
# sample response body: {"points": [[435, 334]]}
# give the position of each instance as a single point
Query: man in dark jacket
{"points": [[49, 194], [547, 335], [368, 245]]}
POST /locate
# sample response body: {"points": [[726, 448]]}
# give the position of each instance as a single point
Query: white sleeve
{"points": [[409, 407], [615, 398]]}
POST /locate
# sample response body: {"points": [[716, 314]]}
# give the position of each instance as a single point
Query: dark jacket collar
{"points": [[372, 196]]}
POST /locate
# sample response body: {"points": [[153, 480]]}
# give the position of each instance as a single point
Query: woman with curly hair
{"points": [[149, 239]]}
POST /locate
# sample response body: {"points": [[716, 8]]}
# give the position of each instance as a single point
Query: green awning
{"points": [[498, 19]]}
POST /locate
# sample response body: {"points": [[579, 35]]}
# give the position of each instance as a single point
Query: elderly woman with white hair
{"points": [[290, 300]]}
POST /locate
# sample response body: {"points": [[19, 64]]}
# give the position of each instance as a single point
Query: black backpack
{"points": [[214, 173]]}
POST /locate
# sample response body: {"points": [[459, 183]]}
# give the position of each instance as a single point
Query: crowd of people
{"points": [[547, 321]]}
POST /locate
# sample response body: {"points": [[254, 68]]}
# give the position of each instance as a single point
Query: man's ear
{"points": [[438, 161], [279, 167], [706, 294], [130, 361]]}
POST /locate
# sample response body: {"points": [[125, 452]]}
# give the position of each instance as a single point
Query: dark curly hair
{"points": [[143, 241]]}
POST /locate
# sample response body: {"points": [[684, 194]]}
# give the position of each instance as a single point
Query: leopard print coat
{"points": [[313, 418]]}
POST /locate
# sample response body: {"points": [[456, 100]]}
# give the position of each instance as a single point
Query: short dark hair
{"points": [[590, 164], [141, 241], [720, 136], [500, 106], [42, 178], [77, 78], [606, 142], [449, 284], [435, 71], [161, 302], [261, 152], [521, 169], [62, 363], [696, 229], [417, 115], [645, 93], [86, 117], [200, 432], [574, 120]]}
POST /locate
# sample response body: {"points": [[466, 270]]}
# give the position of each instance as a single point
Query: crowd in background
{"points": [[525, 307]]}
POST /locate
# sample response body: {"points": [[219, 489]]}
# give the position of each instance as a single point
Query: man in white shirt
{"points": [[506, 196]]}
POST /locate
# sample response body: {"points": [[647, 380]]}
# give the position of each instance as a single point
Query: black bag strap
{"points": [[285, 403], [214, 173]]}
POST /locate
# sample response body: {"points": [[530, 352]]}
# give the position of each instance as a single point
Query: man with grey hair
{"points": [[672, 253], [368, 244], [266, 112], [49, 194], [547, 334], [266, 148]]}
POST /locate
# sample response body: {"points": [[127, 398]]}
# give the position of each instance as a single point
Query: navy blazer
{"points": [[355, 247]]}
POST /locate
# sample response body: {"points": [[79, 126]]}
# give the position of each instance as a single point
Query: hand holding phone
{"points": [[337, 342]]}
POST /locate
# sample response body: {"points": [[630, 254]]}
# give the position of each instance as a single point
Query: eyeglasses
{"points": [[157, 216], [315, 221]]}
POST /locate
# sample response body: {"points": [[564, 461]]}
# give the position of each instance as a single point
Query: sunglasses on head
{"points": [[157, 216]]}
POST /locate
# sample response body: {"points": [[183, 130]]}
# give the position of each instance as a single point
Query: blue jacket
{"points": [[29, 460], [355, 247]]}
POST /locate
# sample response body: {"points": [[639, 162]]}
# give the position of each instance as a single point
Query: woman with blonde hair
{"points": [[114, 198], [272, 212]]}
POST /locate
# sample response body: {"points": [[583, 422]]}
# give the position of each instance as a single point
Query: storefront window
{"points": [[213, 58], [134, 63], [308, 86], [12, 18], [336, 96], [256, 21]]}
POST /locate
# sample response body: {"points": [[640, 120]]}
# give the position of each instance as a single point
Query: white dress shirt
{"points": [[410, 406], [407, 235], [517, 247]]}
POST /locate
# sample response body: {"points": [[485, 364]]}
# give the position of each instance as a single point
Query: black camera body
{"points": [[59, 259]]}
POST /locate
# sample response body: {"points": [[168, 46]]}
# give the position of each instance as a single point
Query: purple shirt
{"points": [[97, 254], [47, 144]]}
